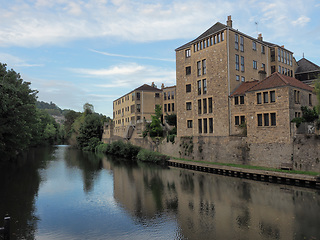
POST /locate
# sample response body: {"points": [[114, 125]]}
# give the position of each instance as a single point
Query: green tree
{"points": [[317, 90], [155, 127], [17, 113], [50, 133]]}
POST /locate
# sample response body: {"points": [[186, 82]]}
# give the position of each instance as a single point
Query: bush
{"points": [[119, 148], [150, 156], [102, 148]]}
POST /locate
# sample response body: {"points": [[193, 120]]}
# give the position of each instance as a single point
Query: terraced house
{"points": [[211, 67]]}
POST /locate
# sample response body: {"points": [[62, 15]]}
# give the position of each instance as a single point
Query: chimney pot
{"points": [[260, 37], [229, 22]]}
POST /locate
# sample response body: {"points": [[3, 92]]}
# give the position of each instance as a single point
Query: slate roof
{"points": [[215, 28], [244, 87], [306, 66], [279, 80], [146, 87]]}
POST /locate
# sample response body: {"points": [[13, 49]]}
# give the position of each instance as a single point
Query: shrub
{"points": [[102, 148], [150, 156]]}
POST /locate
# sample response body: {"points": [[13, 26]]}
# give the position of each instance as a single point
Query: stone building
{"points": [[133, 108], [307, 71], [211, 67], [268, 106]]}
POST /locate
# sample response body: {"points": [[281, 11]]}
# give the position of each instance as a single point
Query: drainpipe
{"points": [[228, 66]]}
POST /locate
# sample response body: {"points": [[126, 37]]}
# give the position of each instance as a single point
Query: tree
{"points": [[155, 127], [317, 90], [17, 113]]}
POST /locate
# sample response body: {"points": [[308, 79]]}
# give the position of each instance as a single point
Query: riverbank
{"points": [[282, 177]]}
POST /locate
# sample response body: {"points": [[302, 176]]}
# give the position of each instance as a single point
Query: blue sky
{"points": [[78, 51]]}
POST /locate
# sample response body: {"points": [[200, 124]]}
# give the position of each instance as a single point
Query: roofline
{"points": [[189, 44], [157, 90]]}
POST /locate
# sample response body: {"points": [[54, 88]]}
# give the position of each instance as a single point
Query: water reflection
{"points": [[64, 193]]}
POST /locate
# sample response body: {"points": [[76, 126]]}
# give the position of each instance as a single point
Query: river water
{"points": [[63, 193]]}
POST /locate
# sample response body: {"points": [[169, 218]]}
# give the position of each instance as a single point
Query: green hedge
{"points": [[150, 156], [119, 148]]}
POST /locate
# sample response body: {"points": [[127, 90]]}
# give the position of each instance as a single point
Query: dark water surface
{"points": [[62, 193]]}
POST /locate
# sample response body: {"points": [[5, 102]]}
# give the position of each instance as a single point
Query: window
{"points": [[279, 69], [254, 45], [243, 119], [195, 47], [201, 45], [273, 119], [200, 125], [172, 95], [165, 96], [172, 107], [296, 96], [138, 108], [273, 69], [265, 97], [241, 44], [188, 105], [262, 49], [272, 96], [279, 55], [259, 117], [205, 125], [199, 87], [199, 68], [255, 64], [188, 70], [189, 123], [199, 106], [237, 62], [219, 38], [243, 79], [188, 88], [211, 40], [236, 41], [165, 107], [132, 96], [259, 98], [204, 67], [132, 108], [210, 105], [204, 85], [215, 39], [266, 119], [138, 96], [241, 99], [236, 121], [236, 100], [222, 36], [210, 125], [242, 64], [169, 107], [204, 44], [237, 78], [310, 99], [263, 66], [204, 105], [188, 53], [157, 95], [168, 95]]}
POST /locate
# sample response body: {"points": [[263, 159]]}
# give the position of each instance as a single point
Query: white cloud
{"points": [[13, 61], [128, 69], [301, 21], [136, 57]]}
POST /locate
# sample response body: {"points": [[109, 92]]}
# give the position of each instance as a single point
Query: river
{"points": [[63, 193]]}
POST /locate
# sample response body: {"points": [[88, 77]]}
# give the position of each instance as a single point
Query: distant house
{"points": [[307, 71], [268, 106]]}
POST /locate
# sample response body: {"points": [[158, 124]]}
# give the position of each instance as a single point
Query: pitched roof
{"points": [[215, 28], [244, 87], [306, 66], [146, 87], [279, 80]]}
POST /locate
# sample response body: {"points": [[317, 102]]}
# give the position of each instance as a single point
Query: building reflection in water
{"points": [[206, 205]]}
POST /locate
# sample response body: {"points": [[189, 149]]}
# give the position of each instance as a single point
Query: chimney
{"points": [[162, 86], [262, 74], [260, 37], [152, 84], [229, 22]]}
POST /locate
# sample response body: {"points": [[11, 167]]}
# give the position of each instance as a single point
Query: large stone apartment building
{"points": [[211, 67], [136, 107]]}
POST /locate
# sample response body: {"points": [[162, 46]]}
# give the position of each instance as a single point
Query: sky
{"points": [[95, 51]]}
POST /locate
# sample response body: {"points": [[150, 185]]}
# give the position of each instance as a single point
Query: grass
{"points": [[251, 167]]}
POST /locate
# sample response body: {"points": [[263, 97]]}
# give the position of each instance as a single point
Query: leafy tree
{"points": [[50, 133], [17, 113], [317, 90], [155, 127]]}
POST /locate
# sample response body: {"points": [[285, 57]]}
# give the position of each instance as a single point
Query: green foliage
{"points": [[155, 127], [50, 108], [171, 119], [17, 113], [70, 118], [50, 132], [308, 115], [317, 90], [119, 148], [150, 156], [298, 121]]}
